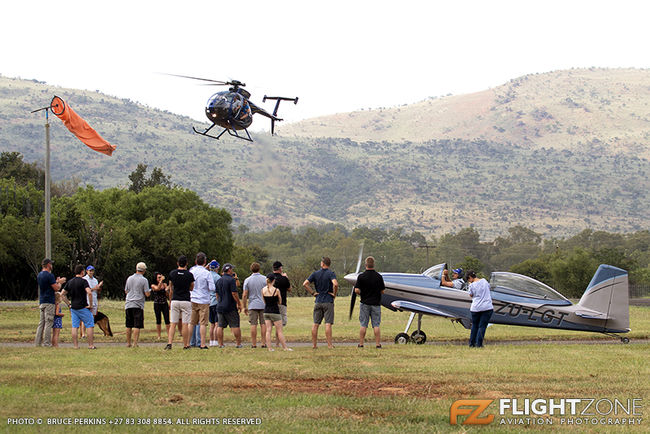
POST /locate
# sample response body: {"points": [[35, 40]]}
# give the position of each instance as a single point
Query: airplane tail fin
{"points": [[607, 298]]}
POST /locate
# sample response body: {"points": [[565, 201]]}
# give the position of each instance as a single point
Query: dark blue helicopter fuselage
{"points": [[229, 109]]}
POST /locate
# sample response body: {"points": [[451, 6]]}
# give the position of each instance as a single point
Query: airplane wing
{"points": [[419, 308]]}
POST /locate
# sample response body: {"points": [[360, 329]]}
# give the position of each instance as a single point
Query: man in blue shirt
{"points": [[327, 286], [228, 306], [47, 284]]}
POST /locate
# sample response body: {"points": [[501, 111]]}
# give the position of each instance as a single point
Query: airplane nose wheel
{"points": [[418, 337], [402, 338]]}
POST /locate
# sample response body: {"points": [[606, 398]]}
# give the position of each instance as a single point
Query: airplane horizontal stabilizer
{"points": [[419, 308], [592, 314]]}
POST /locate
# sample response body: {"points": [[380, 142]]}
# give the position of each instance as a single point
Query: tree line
{"points": [[154, 221]]}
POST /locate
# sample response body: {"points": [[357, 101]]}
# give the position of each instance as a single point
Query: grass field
{"points": [[19, 320], [400, 388]]}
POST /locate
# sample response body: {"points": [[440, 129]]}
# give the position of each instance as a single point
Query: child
{"points": [[58, 320]]}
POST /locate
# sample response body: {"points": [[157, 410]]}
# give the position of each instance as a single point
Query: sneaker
{"points": [[238, 346], [187, 348], [378, 347], [168, 346], [288, 349], [253, 346], [222, 346], [203, 348], [264, 346], [360, 346], [92, 348]]}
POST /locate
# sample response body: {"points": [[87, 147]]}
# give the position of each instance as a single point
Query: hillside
{"points": [[573, 109], [432, 185]]}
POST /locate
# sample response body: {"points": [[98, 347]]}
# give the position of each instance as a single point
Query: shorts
{"points": [[283, 312], [181, 310], [273, 317], [324, 310], [213, 314], [368, 312], [200, 314], [58, 322], [134, 318], [161, 309], [84, 315], [256, 316], [226, 319]]}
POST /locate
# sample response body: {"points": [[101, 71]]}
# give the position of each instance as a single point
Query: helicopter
{"points": [[233, 110]]}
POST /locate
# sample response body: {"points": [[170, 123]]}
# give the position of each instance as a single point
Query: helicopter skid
{"points": [[231, 132]]}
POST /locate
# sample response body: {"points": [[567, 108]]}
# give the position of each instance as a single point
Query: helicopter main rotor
{"points": [[235, 83]]}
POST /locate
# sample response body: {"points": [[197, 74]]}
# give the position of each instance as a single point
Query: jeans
{"points": [[44, 330], [479, 324], [195, 337]]}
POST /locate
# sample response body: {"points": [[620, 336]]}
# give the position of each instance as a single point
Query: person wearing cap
{"points": [[136, 289], [47, 285], [213, 266], [481, 308], [327, 286], [181, 284], [200, 297], [253, 286], [95, 288], [456, 280], [228, 306], [80, 303], [284, 285]]}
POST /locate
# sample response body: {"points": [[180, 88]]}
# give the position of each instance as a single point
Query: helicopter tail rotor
{"points": [[278, 100]]}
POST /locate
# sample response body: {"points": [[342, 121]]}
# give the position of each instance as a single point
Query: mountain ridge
{"points": [[431, 185]]}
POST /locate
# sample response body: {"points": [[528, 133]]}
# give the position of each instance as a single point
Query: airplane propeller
{"points": [[353, 298]]}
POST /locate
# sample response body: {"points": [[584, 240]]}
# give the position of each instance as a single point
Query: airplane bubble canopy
{"points": [[523, 286]]}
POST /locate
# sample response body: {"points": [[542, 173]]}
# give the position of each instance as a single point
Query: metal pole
{"points": [[48, 235]]}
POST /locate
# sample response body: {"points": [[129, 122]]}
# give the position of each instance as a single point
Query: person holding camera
{"points": [[481, 308]]}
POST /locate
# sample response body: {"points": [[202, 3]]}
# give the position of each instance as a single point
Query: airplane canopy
{"points": [[523, 286]]}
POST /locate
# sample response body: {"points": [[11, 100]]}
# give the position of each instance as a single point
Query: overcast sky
{"points": [[337, 56]]}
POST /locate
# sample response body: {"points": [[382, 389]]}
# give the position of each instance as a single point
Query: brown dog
{"points": [[103, 323]]}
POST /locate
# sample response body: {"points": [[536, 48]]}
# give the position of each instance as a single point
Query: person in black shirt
{"points": [[181, 282], [284, 285], [81, 302], [370, 286], [228, 306]]}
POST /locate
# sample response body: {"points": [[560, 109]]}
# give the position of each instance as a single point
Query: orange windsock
{"points": [[79, 127]]}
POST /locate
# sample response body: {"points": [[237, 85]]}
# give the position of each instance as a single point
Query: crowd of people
{"points": [[202, 303]]}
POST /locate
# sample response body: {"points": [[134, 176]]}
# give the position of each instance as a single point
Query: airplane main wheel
{"points": [[419, 337], [402, 338]]}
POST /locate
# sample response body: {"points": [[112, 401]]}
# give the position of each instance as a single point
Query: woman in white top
{"points": [[481, 309]]}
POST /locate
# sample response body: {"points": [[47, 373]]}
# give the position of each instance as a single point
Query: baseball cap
{"points": [[458, 271], [47, 261], [213, 264], [90, 267], [141, 266], [227, 267], [277, 265]]}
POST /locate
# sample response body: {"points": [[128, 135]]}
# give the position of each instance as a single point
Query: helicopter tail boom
{"points": [[278, 100]]}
